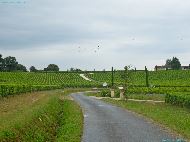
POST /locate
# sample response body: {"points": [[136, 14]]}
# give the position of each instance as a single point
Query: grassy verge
{"points": [[93, 94], [39, 117], [71, 125], [154, 97], [175, 118]]}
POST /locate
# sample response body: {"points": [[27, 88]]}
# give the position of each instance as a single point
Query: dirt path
{"points": [[106, 123]]}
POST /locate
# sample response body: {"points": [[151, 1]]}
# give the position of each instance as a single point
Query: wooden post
{"points": [[112, 81], [147, 83]]}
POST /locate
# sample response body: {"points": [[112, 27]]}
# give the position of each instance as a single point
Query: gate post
{"points": [[122, 95], [112, 93]]}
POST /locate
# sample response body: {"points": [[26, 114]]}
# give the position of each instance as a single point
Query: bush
{"points": [[179, 99], [105, 93], [117, 93], [7, 90]]}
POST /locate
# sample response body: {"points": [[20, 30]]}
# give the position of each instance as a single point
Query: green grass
{"points": [[154, 97], [71, 125], [175, 118], [41, 117], [93, 94]]}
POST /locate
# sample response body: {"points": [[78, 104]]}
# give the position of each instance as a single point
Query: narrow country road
{"points": [[106, 123]]}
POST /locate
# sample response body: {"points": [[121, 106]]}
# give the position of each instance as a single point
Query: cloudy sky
{"points": [[99, 34]]}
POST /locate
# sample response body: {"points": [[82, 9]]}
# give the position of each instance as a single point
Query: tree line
{"points": [[9, 64]]}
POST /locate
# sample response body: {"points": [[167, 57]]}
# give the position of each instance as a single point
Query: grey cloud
{"points": [[160, 28]]}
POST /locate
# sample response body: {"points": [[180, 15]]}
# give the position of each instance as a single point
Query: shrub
{"points": [[179, 99], [105, 93]]}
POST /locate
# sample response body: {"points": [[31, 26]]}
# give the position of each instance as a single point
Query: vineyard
{"points": [[170, 78], [174, 84], [12, 83]]}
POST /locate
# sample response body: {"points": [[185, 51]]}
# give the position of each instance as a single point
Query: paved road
{"points": [[106, 123]]}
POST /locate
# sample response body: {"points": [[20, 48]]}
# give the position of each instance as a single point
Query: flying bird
{"points": [[98, 47]]}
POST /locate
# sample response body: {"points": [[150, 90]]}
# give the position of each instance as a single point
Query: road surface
{"points": [[107, 123]]}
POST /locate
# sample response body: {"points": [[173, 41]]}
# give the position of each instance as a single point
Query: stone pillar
{"points": [[112, 93], [122, 97]]}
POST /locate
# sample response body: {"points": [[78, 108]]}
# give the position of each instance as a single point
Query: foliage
{"points": [[12, 83], [1, 63], [7, 90], [10, 63], [174, 83], [75, 70], [61, 79], [33, 69], [117, 93], [168, 64], [20, 67], [180, 99], [105, 93], [168, 78], [52, 67], [173, 63], [126, 76], [157, 90]]}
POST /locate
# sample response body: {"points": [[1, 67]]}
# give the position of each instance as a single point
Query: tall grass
{"points": [[45, 120]]}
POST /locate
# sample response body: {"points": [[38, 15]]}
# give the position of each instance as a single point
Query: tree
{"points": [[10, 63], [1, 63], [168, 64], [20, 67], [75, 70], [72, 69], [126, 76], [33, 69], [173, 63], [52, 67]]}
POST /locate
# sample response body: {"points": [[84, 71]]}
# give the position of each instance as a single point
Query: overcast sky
{"points": [[98, 34]]}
